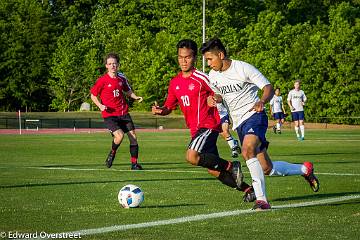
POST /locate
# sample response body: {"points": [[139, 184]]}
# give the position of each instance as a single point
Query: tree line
{"points": [[51, 51]]}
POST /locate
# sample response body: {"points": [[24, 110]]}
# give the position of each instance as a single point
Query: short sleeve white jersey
{"points": [[238, 85], [276, 104], [297, 99]]}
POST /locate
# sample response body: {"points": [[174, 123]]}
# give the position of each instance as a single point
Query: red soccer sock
{"points": [[133, 160]]}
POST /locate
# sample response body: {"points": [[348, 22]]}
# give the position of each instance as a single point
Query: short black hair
{"points": [[111, 55], [188, 43], [213, 45]]}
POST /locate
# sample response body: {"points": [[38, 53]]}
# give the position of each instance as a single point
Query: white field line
{"points": [[199, 217], [156, 170]]}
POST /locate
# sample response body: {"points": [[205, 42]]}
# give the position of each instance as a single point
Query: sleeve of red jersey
{"points": [[96, 89], [171, 100]]}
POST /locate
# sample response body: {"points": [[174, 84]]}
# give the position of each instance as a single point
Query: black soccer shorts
{"points": [[204, 141], [123, 122]]}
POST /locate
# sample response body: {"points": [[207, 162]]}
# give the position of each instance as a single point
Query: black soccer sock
{"points": [[213, 162], [114, 146], [134, 150], [226, 178]]}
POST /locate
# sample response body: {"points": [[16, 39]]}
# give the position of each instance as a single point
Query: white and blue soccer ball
{"points": [[130, 196]]}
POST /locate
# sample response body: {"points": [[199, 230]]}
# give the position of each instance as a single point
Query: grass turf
{"points": [[58, 183]]}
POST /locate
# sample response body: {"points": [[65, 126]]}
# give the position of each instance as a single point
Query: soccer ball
{"points": [[130, 196]]}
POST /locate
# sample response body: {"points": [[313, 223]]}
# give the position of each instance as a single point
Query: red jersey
{"points": [[191, 94], [111, 94]]}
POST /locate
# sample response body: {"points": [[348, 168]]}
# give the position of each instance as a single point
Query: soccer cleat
{"points": [[274, 129], [278, 131], [109, 160], [249, 195], [310, 177], [236, 150], [261, 205], [136, 166], [237, 173]]}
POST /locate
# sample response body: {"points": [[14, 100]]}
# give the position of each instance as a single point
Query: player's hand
{"points": [[211, 101], [102, 107], [258, 107], [156, 110], [139, 99]]}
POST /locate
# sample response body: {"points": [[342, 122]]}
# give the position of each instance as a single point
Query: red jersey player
{"points": [[111, 88], [190, 89]]}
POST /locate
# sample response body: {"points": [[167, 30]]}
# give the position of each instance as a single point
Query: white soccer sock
{"points": [[281, 168], [258, 178], [278, 126], [302, 130], [231, 141], [297, 131]]}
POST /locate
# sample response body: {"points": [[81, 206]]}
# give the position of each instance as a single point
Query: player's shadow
{"points": [[174, 205], [316, 196], [172, 165], [28, 185]]}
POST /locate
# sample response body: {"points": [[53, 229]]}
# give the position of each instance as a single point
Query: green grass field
{"points": [[58, 183]]}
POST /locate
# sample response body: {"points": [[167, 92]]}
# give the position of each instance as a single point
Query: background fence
{"points": [[39, 123]]}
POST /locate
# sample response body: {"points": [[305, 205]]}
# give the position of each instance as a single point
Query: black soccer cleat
{"points": [[236, 150], [249, 195], [237, 173], [136, 166], [109, 160]]}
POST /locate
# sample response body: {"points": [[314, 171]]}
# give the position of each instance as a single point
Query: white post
{"points": [[19, 122], [203, 33]]}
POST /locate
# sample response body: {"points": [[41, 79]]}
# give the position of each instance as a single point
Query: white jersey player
{"points": [[296, 101], [237, 84], [277, 110]]}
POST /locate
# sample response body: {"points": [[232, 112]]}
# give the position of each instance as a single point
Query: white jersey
{"points": [[238, 85], [297, 99], [276, 104]]}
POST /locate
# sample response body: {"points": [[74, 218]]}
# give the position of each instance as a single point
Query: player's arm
{"points": [[97, 102], [268, 93], [212, 100], [132, 95], [157, 110], [290, 105]]}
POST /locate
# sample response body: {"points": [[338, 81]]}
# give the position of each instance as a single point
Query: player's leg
{"points": [[295, 118], [226, 178], [202, 151], [118, 135], [232, 142], [252, 136], [282, 168], [301, 125], [129, 128]]}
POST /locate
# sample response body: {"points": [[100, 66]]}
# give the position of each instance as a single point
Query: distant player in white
{"points": [[237, 84], [296, 101], [277, 110], [225, 127]]}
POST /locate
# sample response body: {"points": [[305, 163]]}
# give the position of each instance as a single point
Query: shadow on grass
{"points": [[116, 164], [316, 196], [316, 154], [28, 185]]}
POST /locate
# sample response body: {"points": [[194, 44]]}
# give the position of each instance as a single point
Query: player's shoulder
{"points": [[121, 75], [201, 75]]}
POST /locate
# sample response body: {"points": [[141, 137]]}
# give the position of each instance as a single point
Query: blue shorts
{"points": [[225, 119], [278, 115], [297, 116], [257, 125]]}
